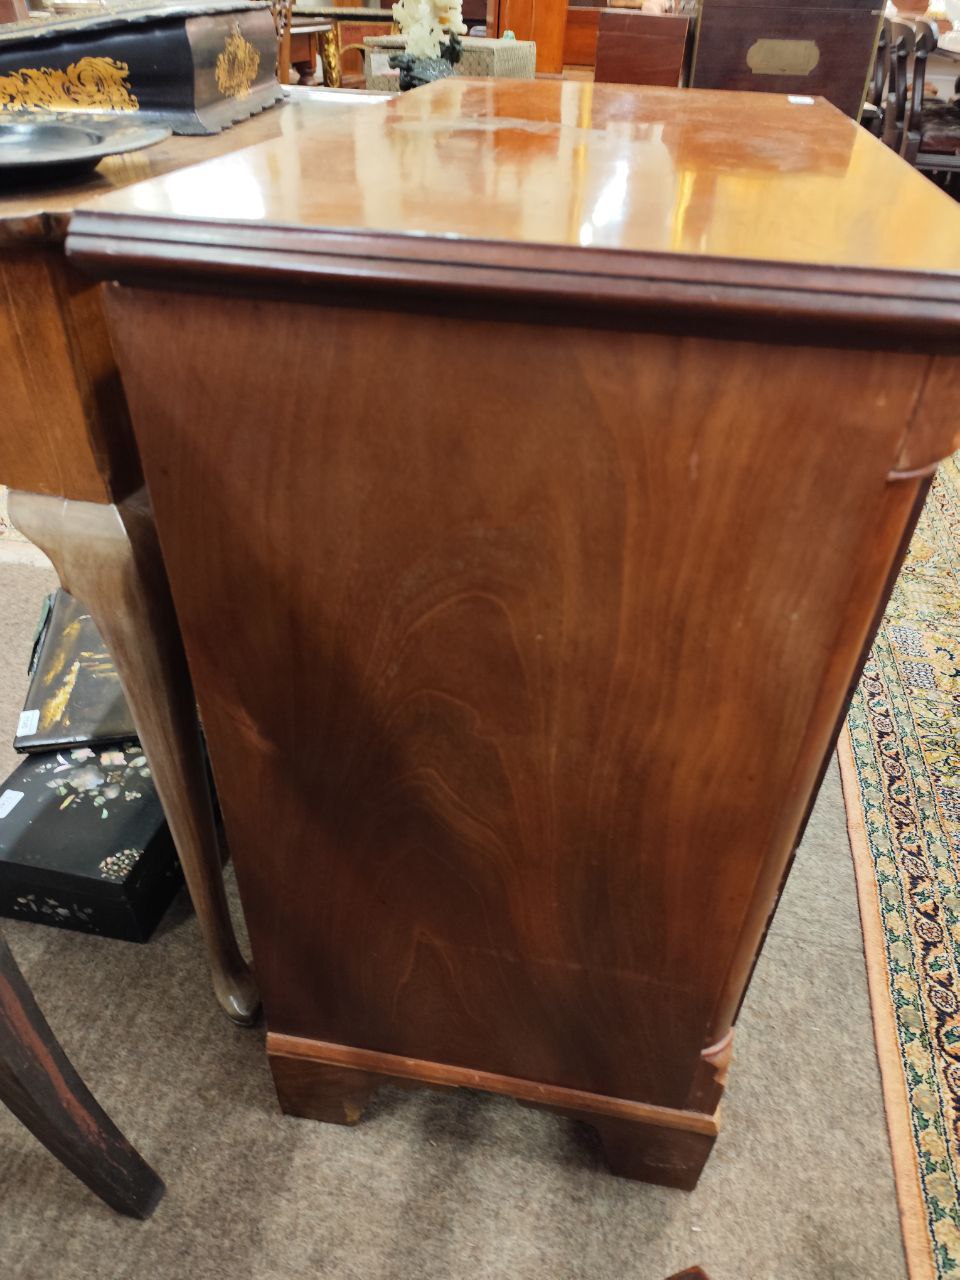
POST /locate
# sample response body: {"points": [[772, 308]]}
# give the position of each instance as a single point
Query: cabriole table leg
{"points": [[108, 557]]}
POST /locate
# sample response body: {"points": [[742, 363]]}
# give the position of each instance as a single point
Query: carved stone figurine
{"points": [[426, 56], [416, 71]]}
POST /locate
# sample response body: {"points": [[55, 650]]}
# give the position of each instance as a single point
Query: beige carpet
{"points": [[447, 1187]]}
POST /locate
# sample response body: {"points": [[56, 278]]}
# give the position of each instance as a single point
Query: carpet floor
{"points": [[436, 1186], [901, 759]]}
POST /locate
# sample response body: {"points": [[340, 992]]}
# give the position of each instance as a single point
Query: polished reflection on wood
{"points": [[698, 173], [519, 673]]}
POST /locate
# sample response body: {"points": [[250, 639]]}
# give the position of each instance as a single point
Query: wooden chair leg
{"points": [[42, 1089], [108, 557]]}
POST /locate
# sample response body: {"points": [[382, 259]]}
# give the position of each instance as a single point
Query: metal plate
{"points": [[58, 146]]}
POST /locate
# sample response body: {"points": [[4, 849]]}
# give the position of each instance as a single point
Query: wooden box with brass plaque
{"points": [[824, 49], [196, 67]]}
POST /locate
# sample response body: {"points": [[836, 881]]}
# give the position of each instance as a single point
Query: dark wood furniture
{"points": [[900, 47], [926, 132], [626, 46], [580, 35], [66, 446], [40, 1086], [519, 678], [871, 116], [790, 46]]}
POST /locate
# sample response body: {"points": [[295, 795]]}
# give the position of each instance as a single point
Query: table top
{"points": [[526, 167], [43, 213]]}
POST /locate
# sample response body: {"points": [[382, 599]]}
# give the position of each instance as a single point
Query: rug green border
{"points": [[916, 1237]]}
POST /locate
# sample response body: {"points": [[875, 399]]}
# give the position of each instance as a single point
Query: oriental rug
{"points": [[900, 763]]}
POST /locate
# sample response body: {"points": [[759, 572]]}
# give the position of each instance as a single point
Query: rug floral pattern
{"points": [[904, 730]]}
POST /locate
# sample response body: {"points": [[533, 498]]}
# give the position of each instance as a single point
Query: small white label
{"points": [[8, 801], [380, 65], [800, 100], [28, 723]]}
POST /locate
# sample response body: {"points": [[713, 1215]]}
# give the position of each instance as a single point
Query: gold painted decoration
{"points": [[783, 57], [237, 66], [91, 84]]}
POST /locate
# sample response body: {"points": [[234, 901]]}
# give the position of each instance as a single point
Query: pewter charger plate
{"points": [[36, 148]]}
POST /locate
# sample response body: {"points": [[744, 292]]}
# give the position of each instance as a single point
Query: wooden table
{"points": [[67, 451], [520, 674]]}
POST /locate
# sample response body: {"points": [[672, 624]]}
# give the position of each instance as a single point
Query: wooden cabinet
{"points": [[519, 673], [625, 46], [641, 48]]}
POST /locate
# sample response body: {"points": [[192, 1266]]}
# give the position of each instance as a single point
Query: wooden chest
{"points": [[519, 673], [641, 48], [197, 66], [823, 49]]}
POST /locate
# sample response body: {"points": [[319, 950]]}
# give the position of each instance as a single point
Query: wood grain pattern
{"points": [[376, 1068], [543, 21], [531, 678], [441, 803], [66, 429], [40, 1086], [580, 37], [641, 48], [656, 1144]]}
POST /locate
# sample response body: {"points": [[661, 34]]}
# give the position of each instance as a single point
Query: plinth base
{"points": [[334, 1083]]}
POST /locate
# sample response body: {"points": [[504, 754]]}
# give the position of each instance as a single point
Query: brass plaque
{"points": [[783, 57]]}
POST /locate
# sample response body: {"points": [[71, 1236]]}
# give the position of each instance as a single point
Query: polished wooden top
{"points": [[731, 175], [43, 212]]}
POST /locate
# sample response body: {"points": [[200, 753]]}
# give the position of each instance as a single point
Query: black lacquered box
{"points": [[74, 698], [195, 67], [84, 844]]}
